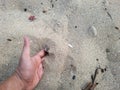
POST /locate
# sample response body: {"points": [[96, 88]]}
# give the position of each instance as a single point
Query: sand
{"points": [[81, 34]]}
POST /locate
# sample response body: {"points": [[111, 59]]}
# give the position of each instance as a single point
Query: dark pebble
{"points": [[105, 8], [71, 65], [9, 40], [52, 5], [97, 59], [44, 11], [107, 50], [97, 83], [73, 77], [25, 9], [117, 28], [75, 26], [102, 70], [105, 69]]}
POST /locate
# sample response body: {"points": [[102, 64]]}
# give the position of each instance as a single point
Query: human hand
{"points": [[30, 69]]}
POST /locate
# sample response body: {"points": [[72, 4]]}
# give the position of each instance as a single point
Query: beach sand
{"points": [[81, 34]]}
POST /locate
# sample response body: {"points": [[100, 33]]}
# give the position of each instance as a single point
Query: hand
{"points": [[30, 69]]}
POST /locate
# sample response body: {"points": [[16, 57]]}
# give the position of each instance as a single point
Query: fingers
{"points": [[41, 53], [26, 47]]}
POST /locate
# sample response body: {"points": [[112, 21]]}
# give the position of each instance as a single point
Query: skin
{"points": [[29, 71]]}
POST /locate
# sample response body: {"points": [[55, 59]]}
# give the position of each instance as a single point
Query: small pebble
{"points": [[97, 59], [107, 50], [97, 83], [92, 31], [25, 9], [9, 40], [75, 26], [73, 77], [52, 5], [32, 18], [105, 69], [44, 11], [105, 8], [117, 28], [71, 65], [70, 45], [102, 70]]}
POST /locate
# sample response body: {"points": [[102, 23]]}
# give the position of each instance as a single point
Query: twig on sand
{"points": [[109, 15], [91, 85]]}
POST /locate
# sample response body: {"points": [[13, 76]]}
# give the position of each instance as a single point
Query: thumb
{"points": [[26, 47]]}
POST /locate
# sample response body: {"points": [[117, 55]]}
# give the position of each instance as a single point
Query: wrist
{"points": [[19, 81], [25, 84], [13, 83]]}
